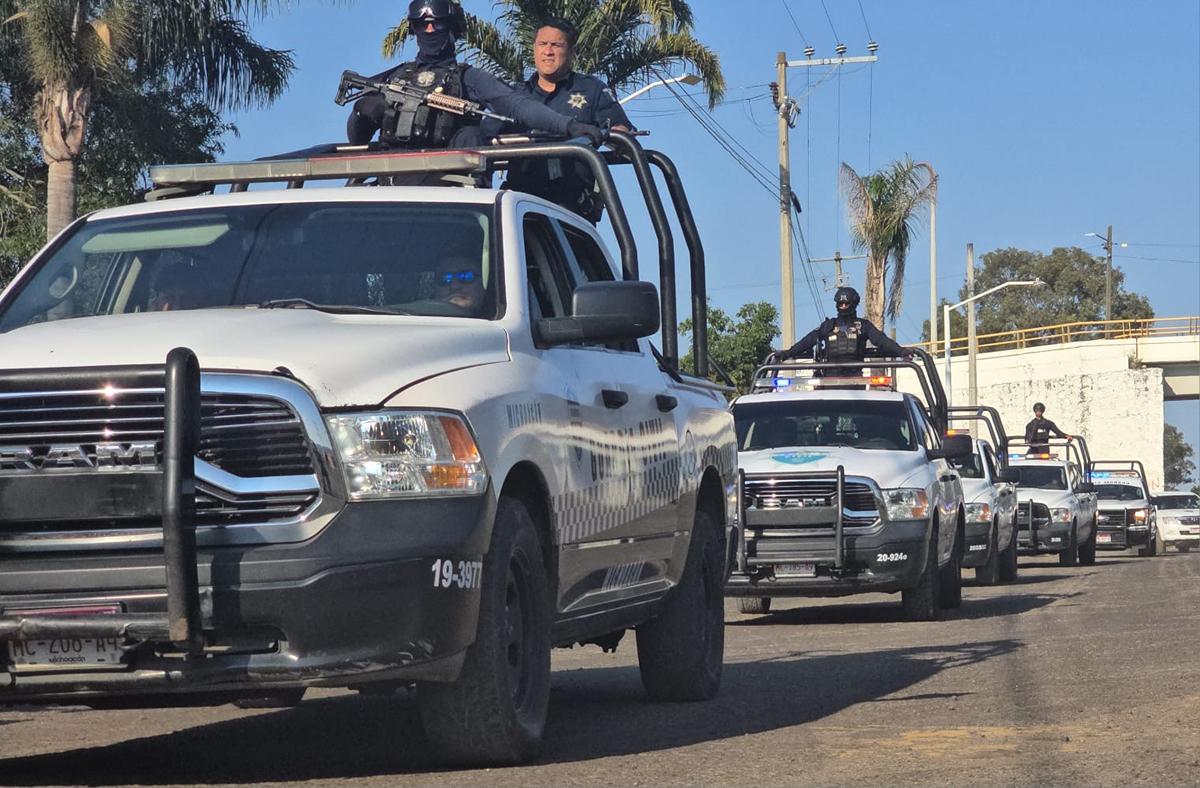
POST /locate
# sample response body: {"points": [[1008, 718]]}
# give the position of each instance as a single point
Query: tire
{"points": [[495, 713], [681, 651], [989, 573], [754, 605], [1008, 559], [950, 577], [1148, 550], [1070, 556], [1087, 550], [920, 603], [1183, 548]]}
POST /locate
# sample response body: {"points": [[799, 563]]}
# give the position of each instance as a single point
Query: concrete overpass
{"points": [[1106, 381]]}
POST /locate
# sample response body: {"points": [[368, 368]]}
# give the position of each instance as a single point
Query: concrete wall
{"points": [[1102, 390]]}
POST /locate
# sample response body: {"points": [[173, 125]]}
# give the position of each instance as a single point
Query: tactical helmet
{"points": [[446, 12], [847, 294], [1039, 407]]}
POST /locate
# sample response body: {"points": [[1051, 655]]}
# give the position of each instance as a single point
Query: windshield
{"points": [[969, 467], [1180, 501], [863, 425], [396, 257], [1119, 492], [1041, 477]]}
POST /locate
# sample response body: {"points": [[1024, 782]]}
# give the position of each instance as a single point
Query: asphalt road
{"points": [[1087, 675]]}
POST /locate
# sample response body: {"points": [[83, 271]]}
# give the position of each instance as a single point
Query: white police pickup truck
{"points": [[402, 434], [990, 494], [847, 488], [1056, 502], [1126, 516], [1178, 519]]}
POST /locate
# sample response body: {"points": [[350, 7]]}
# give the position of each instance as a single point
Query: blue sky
{"points": [[1044, 120]]}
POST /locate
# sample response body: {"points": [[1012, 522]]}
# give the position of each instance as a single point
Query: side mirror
{"points": [[1085, 487], [954, 447], [1008, 475], [604, 312]]}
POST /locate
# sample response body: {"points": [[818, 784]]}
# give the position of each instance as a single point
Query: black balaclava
{"points": [[850, 295], [438, 45]]}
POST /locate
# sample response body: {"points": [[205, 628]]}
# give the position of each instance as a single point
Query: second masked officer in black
{"points": [[556, 85], [436, 24], [842, 338]]}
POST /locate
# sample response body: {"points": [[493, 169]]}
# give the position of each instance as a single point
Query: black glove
{"points": [[775, 357], [595, 134]]}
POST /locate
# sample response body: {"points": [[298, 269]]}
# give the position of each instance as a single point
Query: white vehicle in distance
{"points": [[1056, 503], [847, 488], [990, 495], [1126, 516], [1178, 519]]}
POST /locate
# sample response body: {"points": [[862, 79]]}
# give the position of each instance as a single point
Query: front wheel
{"points": [[1008, 559], [920, 602], [1070, 556], [950, 577], [989, 573], [1183, 548], [754, 605], [495, 713], [681, 651], [1150, 549], [1087, 550]]}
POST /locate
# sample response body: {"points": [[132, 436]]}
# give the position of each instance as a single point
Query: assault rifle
{"points": [[355, 85]]}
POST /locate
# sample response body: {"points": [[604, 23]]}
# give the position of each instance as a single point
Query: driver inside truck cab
{"points": [[458, 281]]}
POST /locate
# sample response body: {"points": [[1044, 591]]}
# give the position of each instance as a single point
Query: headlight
{"points": [[907, 504], [1060, 515], [978, 512], [390, 454], [1139, 515]]}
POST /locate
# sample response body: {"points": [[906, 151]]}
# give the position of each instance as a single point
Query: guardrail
{"points": [[1081, 331]]}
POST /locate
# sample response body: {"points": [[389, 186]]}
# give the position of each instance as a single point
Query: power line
{"points": [[865, 25], [1183, 246], [1156, 259], [836, 37], [787, 8]]}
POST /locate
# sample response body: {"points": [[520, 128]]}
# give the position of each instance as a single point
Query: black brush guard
{"points": [[839, 544], [181, 625]]}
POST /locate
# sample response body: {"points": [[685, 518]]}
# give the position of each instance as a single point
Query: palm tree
{"points": [[626, 42], [883, 208], [74, 48]]}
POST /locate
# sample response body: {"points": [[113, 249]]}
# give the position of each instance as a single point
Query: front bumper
{"points": [[882, 558], [357, 603], [1052, 538], [978, 547], [1122, 537]]}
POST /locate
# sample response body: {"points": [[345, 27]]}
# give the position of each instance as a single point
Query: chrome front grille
{"points": [[1111, 518], [245, 435], [1039, 511], [782, 492]]}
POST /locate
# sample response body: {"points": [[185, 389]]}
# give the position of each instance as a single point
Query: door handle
{"points": [[665, 402], [949, 477], [614, 399]]}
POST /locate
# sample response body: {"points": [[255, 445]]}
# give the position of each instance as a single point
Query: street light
{"points": [[947, 308], [687, 79]]}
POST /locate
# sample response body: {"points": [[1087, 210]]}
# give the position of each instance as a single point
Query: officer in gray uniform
{"points": [[843, 338], [582, 97], [436, 25]]}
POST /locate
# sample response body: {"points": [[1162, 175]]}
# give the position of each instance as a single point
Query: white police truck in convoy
{"points": [[990, 495], [1126, 516], [847, 488], [402, 434], [1178, 519], [1056, 502]]}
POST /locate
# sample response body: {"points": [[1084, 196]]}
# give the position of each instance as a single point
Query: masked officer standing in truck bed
{"points": [[582, 97], [436, 24], [1039, 430], [843, 338]]}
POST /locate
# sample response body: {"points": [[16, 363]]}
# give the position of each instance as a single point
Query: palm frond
{"points": [[493, 51], [393, 40], [230, 69], [636, 64]]}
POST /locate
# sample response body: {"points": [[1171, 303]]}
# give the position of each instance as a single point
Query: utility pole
{"points": [[787, 107], [839, 277], [787, 296], [933, 299], [1108, 315], [972, 347]]}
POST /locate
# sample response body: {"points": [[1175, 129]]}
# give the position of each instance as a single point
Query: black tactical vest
{"points": [[413, 124], [842, 343], [1040, 434]]}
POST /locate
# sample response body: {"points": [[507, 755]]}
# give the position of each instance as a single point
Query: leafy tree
{"points": [[626, 42], [1178, 468], [130, 130], [1073, 291], [74, 49], [883, 209], [738, 346]]}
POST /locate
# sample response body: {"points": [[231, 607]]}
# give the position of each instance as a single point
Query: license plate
{"points": [[795, 570], [72, 653], [1103, 537]]}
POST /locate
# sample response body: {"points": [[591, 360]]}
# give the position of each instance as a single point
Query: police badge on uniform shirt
{"points": [[577, 101], [426, 78]]}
